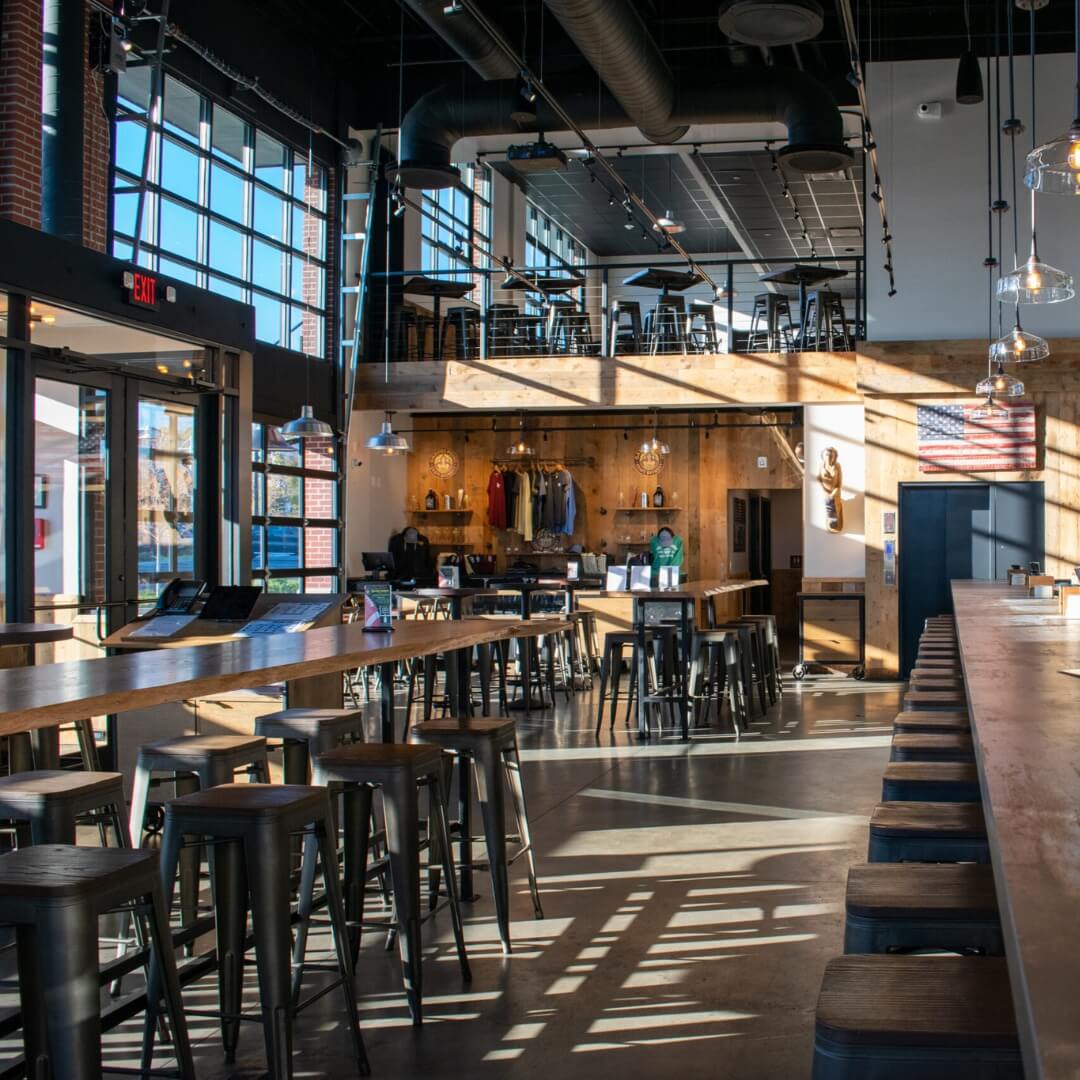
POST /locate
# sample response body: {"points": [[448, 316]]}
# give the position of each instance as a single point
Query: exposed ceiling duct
{"points": [[743, 95], [465, 36], [612, 37]]}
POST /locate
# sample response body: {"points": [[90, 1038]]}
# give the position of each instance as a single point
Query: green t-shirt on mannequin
{"points": [[665, 549]]}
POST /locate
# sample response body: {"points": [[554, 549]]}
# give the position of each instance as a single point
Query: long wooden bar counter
{"points": [[1025, 717], [54, 694]]}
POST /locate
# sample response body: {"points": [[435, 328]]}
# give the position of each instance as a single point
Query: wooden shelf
{"points": [[448, 512], [648, 509]]}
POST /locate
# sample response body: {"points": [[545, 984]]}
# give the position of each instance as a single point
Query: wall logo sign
{"points": [[648, 462], [443, 464]]}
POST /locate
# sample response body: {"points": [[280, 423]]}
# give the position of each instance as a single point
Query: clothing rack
{"points": [[568, 462]]}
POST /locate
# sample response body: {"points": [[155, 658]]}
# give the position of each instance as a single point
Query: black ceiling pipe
{"points": [[744, 95], [466, 37], [62, 118], [612, 37]]}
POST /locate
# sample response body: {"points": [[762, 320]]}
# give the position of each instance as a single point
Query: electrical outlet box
{"points": [[762, 462]]}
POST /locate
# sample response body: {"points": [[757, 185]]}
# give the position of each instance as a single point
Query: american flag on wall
{"points": [[972, 438]]}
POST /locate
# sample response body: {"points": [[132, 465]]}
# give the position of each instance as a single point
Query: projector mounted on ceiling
{"points": [[536, 157]]}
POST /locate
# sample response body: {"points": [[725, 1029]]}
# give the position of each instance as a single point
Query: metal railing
{"points": [[499, 316]]}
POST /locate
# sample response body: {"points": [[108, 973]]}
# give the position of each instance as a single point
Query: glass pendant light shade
{"points": [[1000, 384], [1019, 347], [1055, 166], [1035, 282], [306, 426], [388, 441]]}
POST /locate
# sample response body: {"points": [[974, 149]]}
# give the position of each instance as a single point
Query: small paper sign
{"points": [[615, 579], [573, 570], [640, 578], [378, 606], [449, 576]]}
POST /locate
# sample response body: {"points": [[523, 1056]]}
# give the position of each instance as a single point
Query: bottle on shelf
{"points": [[658, 496], [644, 500], [431, 500]]}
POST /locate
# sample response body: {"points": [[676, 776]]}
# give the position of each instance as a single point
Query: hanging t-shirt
{"points": [[496, 491], [571, 506], [510, 486], [525, 508]]}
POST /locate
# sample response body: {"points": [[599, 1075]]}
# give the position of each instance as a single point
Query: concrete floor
{"points": [[692, 894]]}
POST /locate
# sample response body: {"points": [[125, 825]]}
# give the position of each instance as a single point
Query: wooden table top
{"points": [[21, 633], [1027, 744], [691, 590], [53, 694]]}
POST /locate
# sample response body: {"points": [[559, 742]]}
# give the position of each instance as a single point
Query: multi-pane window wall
{"points": [[227, 207], [455, 229], [295, 522], [550, 247]]}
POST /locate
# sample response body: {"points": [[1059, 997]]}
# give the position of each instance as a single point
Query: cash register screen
{"points": [[230, 603]]}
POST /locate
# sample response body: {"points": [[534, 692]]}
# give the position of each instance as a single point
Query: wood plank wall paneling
{"points": [[895, 378], [594, 382], [696, 477]]}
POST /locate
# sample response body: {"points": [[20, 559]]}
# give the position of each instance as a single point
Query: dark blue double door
{"points": [[958, 531]]}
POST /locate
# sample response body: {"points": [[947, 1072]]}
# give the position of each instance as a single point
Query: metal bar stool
{"points": [[504, 330], [466, 325], [306, 733], [704, 337], [490, 746], [45, 804], [53, 894], [930, 781], [628, 335], [719, 676], [933, 1017], [400, 771], [896, 907], [667, 329], [250, 826], [824, 323], [917, 746], [766, 326]]}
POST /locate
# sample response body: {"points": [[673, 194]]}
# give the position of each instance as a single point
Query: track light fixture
{"points": [[528, 91]]}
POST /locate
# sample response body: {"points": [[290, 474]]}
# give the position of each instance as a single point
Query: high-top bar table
{"points": [[1025, 724]]}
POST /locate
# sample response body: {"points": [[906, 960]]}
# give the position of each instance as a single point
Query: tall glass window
{"points": [[228, 208], [551, 249], [455, 229], [296, 524]]}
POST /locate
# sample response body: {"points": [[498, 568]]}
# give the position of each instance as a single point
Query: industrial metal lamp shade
{"points": [[388, 441], [1035, 282], [1000, 385], [1055, 166], [669, 223], [1019, 347], [969, 83], [306, 426]]}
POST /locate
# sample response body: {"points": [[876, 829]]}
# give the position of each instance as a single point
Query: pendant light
{"points": [[1055, 166], [1000, 384], [1036, 282], [1018, 346], [388, 441], [306, 426], [655, 445], [969, 84], [520, 448], [669, 223]]}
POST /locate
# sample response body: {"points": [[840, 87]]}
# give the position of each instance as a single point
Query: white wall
{"points": [[934, 175], [375, 491], [826, 554]]}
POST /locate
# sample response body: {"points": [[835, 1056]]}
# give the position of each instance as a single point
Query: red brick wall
{"points": [[20, 112], [97, 156]]}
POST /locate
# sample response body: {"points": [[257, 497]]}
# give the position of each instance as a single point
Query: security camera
{"points": [[929, 110]]}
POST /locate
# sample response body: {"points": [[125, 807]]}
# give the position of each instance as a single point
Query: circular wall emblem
{"points": [[648, 462], [443, 464]]}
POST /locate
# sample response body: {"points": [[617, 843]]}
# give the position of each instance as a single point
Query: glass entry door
{"points": [[74, 495]]}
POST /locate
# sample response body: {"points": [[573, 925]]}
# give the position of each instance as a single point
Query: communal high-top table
{"points": [[1025, 724]]}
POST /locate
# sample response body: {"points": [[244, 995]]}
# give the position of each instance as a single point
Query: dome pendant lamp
{"points": [[969, 83], [387, 441], [1000, 384], [1019, 347]]}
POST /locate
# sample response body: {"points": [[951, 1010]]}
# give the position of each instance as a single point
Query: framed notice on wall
{"points": [[738, 524]]}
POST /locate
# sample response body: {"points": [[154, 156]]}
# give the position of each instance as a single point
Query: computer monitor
{"points": [[374, 561], [230, 603]]}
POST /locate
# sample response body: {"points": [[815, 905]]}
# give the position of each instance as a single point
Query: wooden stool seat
{"points": [[368, 762], [244, 801], [934, 700], [306, 733], [936, 682], [931, 746], [932, 721], [897, 906], [938, 663], [898, 1017], [930, 781], [186, 749], [49, 801], [928, 832]]}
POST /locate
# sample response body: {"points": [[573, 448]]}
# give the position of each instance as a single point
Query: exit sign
{"points": [[146, 291]]}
